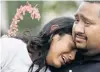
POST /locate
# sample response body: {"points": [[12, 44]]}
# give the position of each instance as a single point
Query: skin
{"points": [[86, 28], [61, 46]]}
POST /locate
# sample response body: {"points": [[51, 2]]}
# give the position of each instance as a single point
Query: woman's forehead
{"points": [[66, 36]]}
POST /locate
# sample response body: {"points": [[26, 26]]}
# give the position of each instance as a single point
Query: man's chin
{"points": [[81, 45]]}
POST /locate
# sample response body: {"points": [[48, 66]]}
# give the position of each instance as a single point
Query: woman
{"points": [[53, 46]]}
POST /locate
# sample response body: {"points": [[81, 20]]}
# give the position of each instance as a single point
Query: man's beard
{"points": [[82, 50], [88, 52]]}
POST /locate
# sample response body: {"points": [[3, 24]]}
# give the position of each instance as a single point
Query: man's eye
{"points": [[87, 22], [76, 21]]}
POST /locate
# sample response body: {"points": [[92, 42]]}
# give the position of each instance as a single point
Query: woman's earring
{"points": [[51, 38]]}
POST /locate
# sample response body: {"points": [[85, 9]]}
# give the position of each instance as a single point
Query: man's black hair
{"points": [[92, 1]]}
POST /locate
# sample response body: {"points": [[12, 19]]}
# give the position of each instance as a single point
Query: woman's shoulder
{"points": [[11, 43], [11, 40], [11, 46], [14, 55]]}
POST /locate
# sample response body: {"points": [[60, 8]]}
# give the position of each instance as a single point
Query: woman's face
{"points": [[61, 51]]}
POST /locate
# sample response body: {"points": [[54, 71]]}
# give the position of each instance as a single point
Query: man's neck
{"points": [[92, 52]]}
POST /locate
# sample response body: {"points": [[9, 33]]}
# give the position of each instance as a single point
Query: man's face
{"points": [[86, 28], [60, 51]]}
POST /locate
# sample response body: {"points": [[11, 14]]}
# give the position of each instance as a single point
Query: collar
{"points": [[85, 59], [92, 58]]}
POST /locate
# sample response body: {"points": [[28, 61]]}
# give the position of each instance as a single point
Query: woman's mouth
{"points": [[65, 60]]}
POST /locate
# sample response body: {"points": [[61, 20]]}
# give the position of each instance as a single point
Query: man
{"points": [[86, 29], [86, 34]]}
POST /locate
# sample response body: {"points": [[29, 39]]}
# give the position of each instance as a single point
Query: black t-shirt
{"points": [[81, 64]]}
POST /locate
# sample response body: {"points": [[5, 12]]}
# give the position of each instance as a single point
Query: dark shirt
{"points": [[82, 64]]}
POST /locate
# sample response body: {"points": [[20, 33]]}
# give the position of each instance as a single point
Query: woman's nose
{"points": [[71, 56]]}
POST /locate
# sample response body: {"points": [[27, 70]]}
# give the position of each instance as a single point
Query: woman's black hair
{"points": [[38, 46]]}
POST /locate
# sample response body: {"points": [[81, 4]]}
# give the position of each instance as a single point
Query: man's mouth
{"points": [[79, 38]]}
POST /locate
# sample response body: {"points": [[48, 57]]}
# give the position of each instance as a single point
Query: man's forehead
{"points": [[88, 9]]}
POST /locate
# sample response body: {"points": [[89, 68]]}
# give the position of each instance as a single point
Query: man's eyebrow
{"points": [[85, 18], [99, 13], [75, 15]]}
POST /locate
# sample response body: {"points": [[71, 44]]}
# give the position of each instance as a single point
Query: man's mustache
{"points": [[80, 35]]}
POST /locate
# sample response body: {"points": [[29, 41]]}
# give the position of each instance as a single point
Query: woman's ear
{"points": [[56, 37]]}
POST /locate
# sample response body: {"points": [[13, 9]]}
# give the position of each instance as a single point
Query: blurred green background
{"points": [[48, 11]]}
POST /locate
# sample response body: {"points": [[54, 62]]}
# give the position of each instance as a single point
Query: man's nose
{"points": [[78, 28]]}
